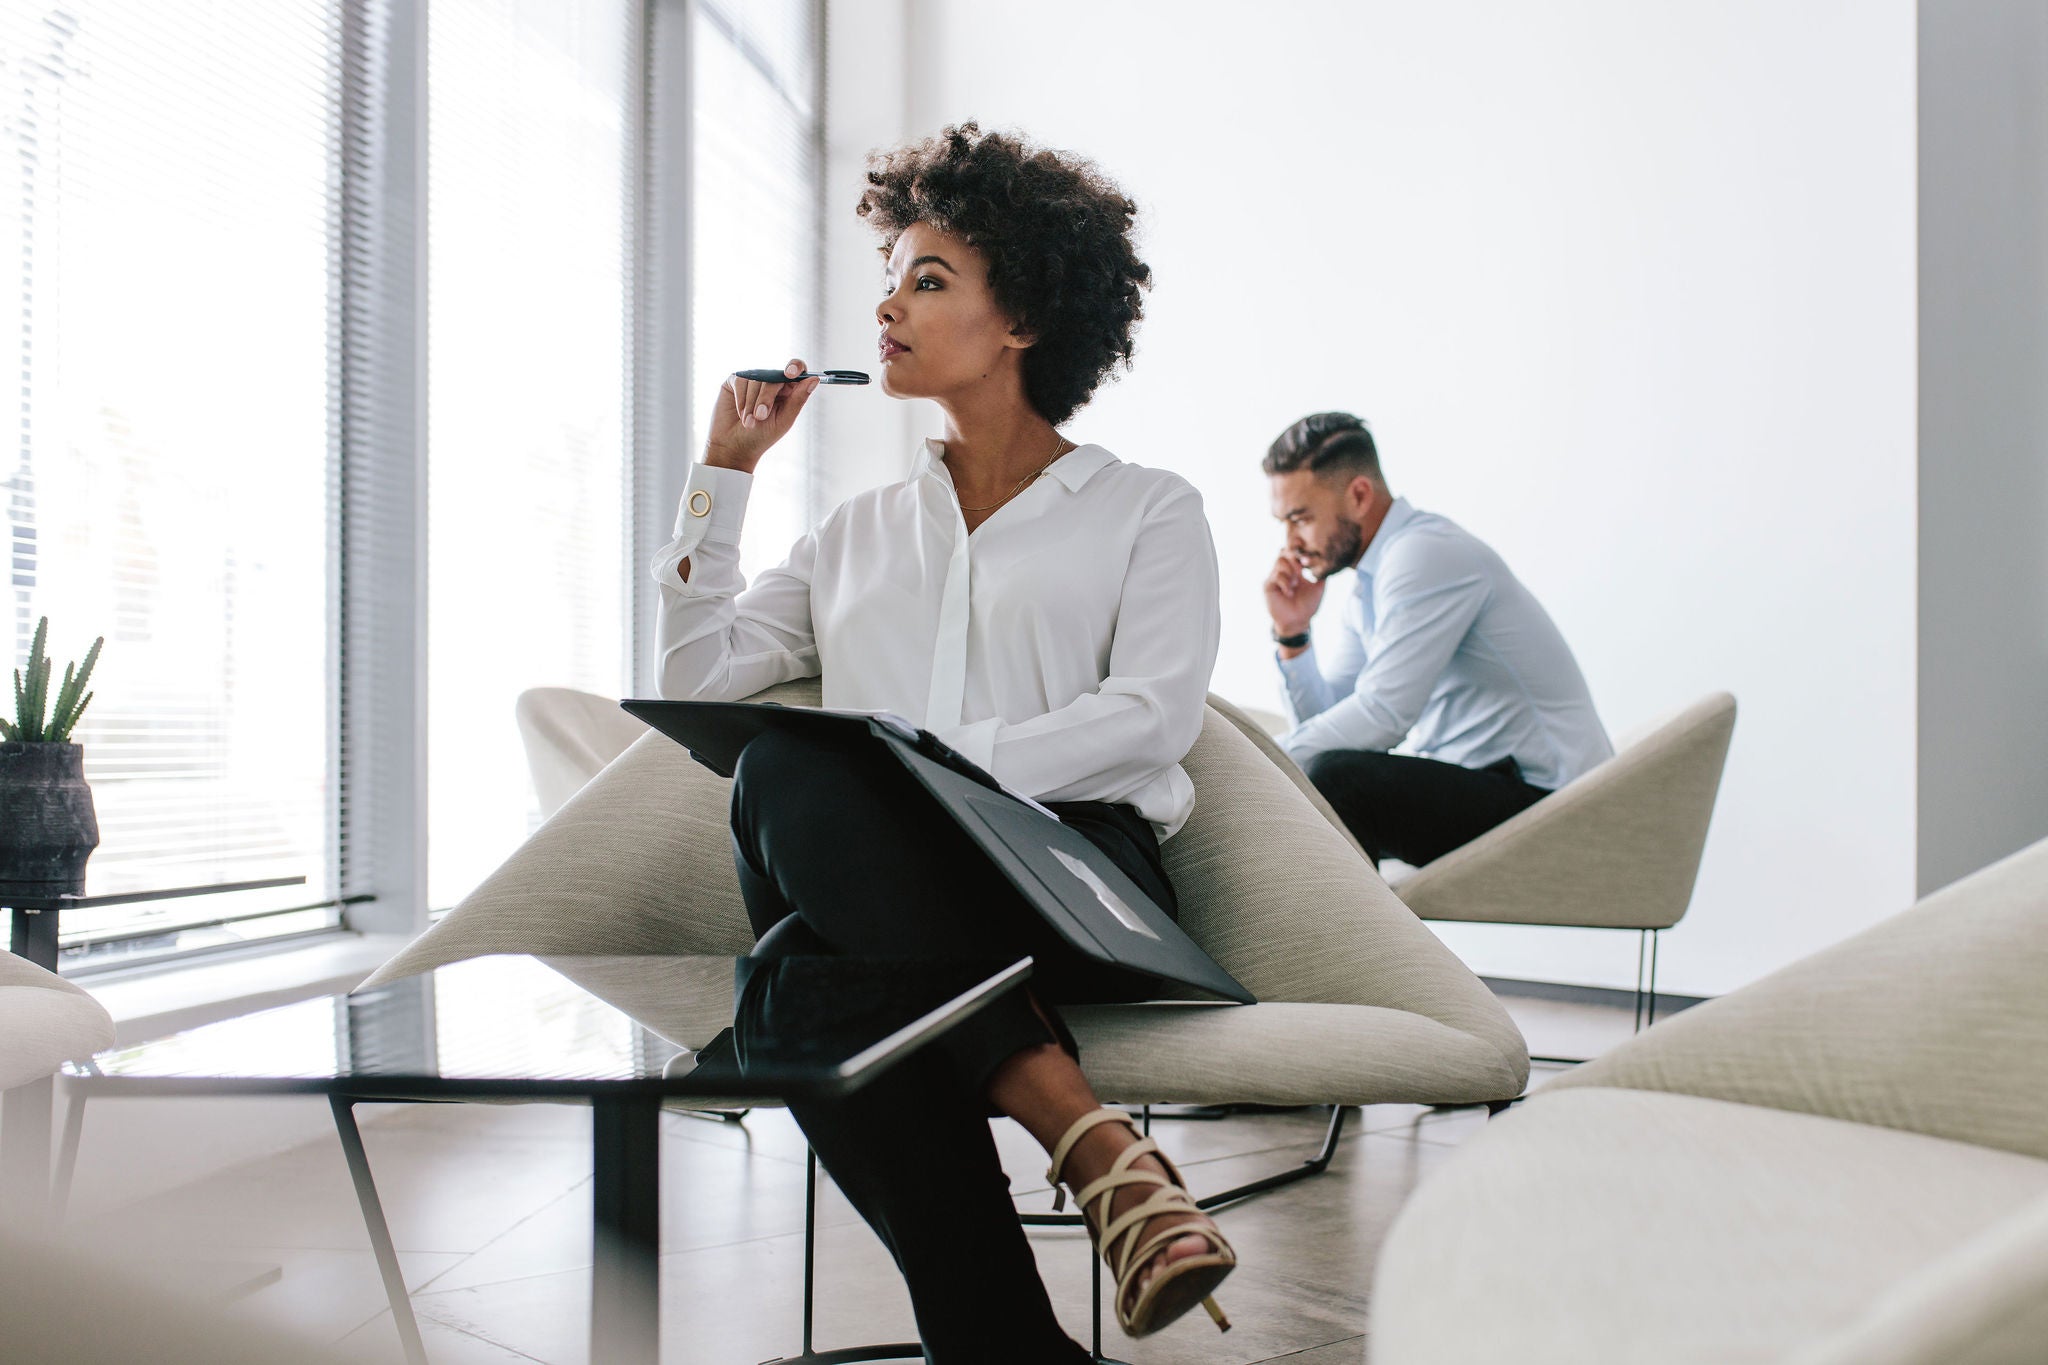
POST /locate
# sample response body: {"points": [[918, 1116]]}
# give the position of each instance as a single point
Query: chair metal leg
{"points": [[718, 1115], [1642, 944], [380, 1232], [911, 1350], [810, 1355], [67, 1152], [1645, 994], [1095, 1279], [1650, 1013]]}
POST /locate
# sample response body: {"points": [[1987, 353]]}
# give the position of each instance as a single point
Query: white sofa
{"points": [[1844, 1162]]}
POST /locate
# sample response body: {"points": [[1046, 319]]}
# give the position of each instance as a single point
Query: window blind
{"points": [[530, 182], [757, 238], [166, 227]]}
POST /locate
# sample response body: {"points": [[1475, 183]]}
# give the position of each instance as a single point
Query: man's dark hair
{"points": [[1057, 235], [1326, 443]]}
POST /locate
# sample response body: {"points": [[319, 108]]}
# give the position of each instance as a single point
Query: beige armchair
{"points": [[1618, 849], [1844, 1162], [45, 1021], [1359, 1003]]}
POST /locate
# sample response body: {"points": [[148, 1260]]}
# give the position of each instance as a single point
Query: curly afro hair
{"points": [[1057, 235]]}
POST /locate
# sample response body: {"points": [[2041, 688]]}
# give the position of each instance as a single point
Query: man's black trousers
{"points": [[1418, 809], [840, 852]]}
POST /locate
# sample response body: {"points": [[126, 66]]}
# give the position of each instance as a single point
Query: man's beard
{"points": [[1346, 546]]}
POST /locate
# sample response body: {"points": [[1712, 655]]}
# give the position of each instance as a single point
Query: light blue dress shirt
{"points": [[1442, 646]]}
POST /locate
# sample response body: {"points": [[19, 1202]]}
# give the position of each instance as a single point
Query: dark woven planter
{"points": [[47, 825]]}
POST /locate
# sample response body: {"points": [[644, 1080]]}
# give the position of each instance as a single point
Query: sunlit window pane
{"points": [[528, 365], [754, 285], [166, 236]]}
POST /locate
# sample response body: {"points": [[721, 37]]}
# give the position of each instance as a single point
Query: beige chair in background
{"points": [[1617, 849], [1359, 1002], [1845, 1163], [45, 1021]]}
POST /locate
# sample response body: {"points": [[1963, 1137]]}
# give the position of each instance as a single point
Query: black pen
{"points": [[822, 376]]}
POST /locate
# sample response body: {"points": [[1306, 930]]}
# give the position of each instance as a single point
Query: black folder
{"points": [[1073, 885]]}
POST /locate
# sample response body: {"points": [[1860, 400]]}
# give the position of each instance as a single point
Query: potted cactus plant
{"points": [[47, 825]]}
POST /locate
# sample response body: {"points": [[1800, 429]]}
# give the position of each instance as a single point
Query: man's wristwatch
{"points": [[1290, 641]]}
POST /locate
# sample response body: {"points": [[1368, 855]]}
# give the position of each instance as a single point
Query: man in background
{"points": [[1439, 645]]}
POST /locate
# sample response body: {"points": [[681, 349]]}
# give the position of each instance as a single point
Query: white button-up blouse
{"points": [[1065, 645]]}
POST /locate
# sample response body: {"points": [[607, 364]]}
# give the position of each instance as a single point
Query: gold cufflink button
{"points": [[700, 503]]}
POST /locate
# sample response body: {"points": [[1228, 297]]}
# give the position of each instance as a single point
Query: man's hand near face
{"points": [[1291, 600]]}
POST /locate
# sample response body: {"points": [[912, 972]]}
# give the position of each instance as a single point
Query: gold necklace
{"points": [[1058, 451]]}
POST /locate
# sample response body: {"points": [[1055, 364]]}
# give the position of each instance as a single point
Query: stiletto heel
{"points": [[1177, 1285]]}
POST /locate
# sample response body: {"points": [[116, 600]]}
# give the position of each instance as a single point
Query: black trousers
{"points": [[841, 853], [1418, 809]]}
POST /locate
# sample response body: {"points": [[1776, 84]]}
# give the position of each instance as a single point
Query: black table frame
{"points": [[34, 933], [625, 1149]]}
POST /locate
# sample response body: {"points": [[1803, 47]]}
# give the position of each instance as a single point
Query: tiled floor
{"points": [[489, 1206]]}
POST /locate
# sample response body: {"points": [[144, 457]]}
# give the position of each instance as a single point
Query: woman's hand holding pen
{"points": [[751, 416]]}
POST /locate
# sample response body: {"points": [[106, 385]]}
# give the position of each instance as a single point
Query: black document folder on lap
{"points": [[1073, 885]]}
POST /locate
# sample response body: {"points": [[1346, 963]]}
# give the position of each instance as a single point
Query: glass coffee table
{"points": [[511, 1029]]}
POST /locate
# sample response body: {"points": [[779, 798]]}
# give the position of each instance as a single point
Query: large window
{"points": [[756, 231], [529, 246], [327, 320], [166, 242]]}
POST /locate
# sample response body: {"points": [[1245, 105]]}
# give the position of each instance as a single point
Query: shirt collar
{"points": [[1397, 516], [1072, 469]]}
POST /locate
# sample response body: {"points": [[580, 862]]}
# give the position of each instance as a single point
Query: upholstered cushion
{"points": [[1935, 1021], [1617, 849], [639, 862], [1282, 1053], [1596, 1225], [45, 1021], [1983, 1303]]}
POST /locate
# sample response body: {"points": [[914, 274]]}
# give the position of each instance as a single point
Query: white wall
{"points": [[1983, 432], [1626, 289]]}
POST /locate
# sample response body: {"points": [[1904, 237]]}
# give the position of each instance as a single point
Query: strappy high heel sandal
{"points": [[1177, 1285]]}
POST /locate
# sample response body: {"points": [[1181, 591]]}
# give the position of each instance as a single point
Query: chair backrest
{"points": [[569, 737], [1252, 726], [1617, 849], [45, 1021], [1932, 1021]]}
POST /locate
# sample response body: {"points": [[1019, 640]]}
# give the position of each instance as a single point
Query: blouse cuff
{"points": [[713, 506]]}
